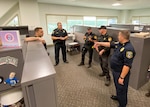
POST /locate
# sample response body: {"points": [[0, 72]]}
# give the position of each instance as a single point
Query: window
{"points": [[145, 20], [141, 20], [52, 22], [101, 21], [135, 20], [89, 21], [69, 21], [14, 21], [112, 20], [106, 21], [73, 20]]}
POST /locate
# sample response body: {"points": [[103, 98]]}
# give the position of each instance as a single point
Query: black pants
{"points": [[63, 50], [84, 51], [121, 90], [104, 65]]}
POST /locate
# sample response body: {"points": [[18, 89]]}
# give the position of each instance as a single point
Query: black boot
{"points": [[107, 81], [81, 64], [147, 94], [102, 74]]}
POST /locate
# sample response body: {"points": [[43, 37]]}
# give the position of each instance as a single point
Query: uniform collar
{"points": [[104, 35], [59, 29], [89, 33], [125, 43]]}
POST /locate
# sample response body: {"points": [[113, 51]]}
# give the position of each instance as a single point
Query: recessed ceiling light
{"points": [[72, 0], [116, 4]]}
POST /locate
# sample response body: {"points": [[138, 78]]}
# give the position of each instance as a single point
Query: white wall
{"points": [[45, 9], [9, 15], [29, 12], [6, 5], [139, 12], [124, 17]]}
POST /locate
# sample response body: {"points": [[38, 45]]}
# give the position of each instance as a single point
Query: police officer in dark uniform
{"points": [[88, 46], [104, 53], [121, 62], [59, 37]]}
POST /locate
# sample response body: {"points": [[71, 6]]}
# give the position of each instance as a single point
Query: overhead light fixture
{"points": [[72, 0], [116, 4]]}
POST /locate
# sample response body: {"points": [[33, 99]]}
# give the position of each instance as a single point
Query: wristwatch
{"points": [[1, 79], [121, 78]]}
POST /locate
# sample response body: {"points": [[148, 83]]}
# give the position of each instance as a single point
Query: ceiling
{"points": [[126, 4]]}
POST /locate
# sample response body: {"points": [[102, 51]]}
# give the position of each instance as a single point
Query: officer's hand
{"points": [[42, 40], [121, 81], [90, 39], [96, 48], [61, 38], [96, 44], [101, 52]]}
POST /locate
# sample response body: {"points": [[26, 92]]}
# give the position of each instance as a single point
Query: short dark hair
{"points": [[102, 27], [37, 29], [58, 23], [89, 28], [125, 33]]}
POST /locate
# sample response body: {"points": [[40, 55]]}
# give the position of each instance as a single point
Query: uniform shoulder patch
{"points": [[129, 54], [109, 39], [64, 31], [95, 37]]}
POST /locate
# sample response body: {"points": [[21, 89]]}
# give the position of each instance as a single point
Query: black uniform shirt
{"points": [[88, 43], [59, 33], [123, 55], [104, 38]]}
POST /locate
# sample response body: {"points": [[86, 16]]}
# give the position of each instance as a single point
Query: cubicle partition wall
{"points": [[11, 61], [141, 62], [133, 28], [35, 76], [38, 79], [26, 73]]}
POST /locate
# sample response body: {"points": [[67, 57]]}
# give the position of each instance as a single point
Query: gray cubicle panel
{"points": [[38, 78], [11, 60], [132, 27], [141, 62]]}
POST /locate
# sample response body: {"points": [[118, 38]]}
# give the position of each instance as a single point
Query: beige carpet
{"points": [[82, 87]]}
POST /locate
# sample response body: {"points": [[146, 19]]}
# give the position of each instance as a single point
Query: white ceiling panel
{"points": [[125, 4]]}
